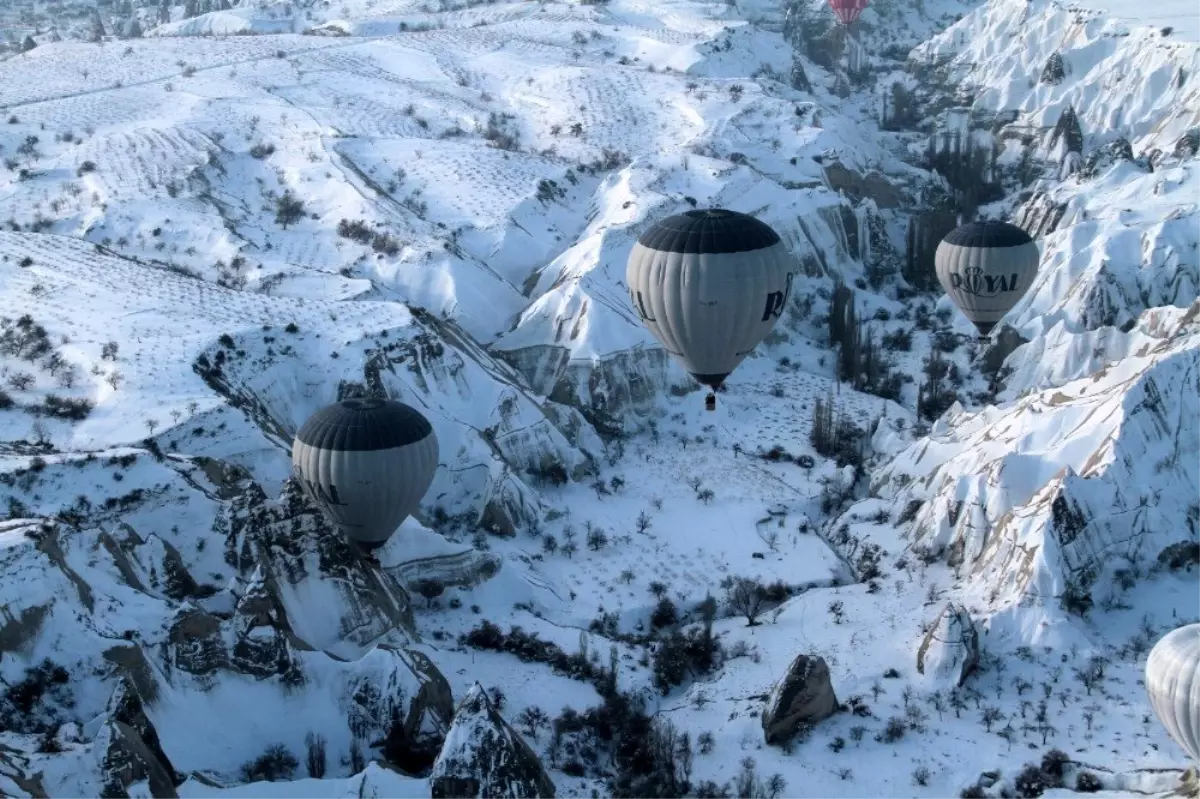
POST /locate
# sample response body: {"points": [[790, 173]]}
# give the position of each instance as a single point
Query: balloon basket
{"points": [[710, 402]]}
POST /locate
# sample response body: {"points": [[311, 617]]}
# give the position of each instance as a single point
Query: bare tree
{"points": [[356, 760], [1091, 675], [745, 597], [314, 760], [55, 363], [836, 609], [430, 588], [770, 537], [532, 719]]}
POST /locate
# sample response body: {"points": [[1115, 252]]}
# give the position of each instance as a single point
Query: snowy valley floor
{"points": [[207, 237]]}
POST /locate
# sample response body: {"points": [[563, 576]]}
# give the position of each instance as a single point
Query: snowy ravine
{"points": [[219, 216]]}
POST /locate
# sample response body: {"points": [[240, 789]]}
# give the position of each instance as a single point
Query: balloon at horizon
{"points": [[847, 11]]}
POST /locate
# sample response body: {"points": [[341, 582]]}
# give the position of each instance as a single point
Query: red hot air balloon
{"points": [[847, 10]]}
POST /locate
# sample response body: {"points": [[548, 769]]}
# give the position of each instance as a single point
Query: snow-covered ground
{"points": [[212, 231]]}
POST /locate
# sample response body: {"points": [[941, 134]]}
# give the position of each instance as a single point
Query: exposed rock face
{"points": [[1001, 345], [295, 547], [260, 644], [951, 649], [1040, 215], [602, 391], [404, 687], [1105, 156], [804, 696], [196, 644], [124, 759], [149, 564], [125, 707], [1054, 71], [484, 756], [872, 185], [14, 768]]}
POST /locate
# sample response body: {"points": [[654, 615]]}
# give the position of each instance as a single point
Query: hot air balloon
{"points": [[709, 284], [847, 11], [366, 463], [1173, 683], [985, 268]]}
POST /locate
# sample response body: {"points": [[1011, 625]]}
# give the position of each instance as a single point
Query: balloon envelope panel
{"points": [[985, 269], [1173, 683], [366, 464], [709, 285]]}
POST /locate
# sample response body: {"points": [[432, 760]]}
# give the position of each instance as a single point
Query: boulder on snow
{"points": [[873, 185], [1003, 343], [951, 648], [803, 697], [1188, 144], [484, 756]]}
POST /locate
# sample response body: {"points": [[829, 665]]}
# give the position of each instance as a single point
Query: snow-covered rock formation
{"points": [[484, 756]]}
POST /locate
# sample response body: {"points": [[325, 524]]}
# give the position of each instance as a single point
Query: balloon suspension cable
{"points": [[710, 402]]}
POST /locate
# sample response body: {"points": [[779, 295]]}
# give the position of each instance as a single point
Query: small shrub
{"points": [[1030, 783], [1054, 765], [1087, 782], [66, 407], [894, 730], [275, 764]]}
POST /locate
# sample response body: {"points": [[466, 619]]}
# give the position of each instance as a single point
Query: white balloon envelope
{"points": [[1173, 683]]}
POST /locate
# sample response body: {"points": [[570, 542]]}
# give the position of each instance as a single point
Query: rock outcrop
{"points": [[124, 759], [803, 697], [125, 707], [301, 556], [950, 650], [484, 756]]}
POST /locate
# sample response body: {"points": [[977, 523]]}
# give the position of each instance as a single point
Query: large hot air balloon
{"points": [[709, 284], [847, 11], [366, 463], [985, 268], [1173, 683]]}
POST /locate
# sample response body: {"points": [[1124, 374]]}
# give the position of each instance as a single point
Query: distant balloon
{"points": [[366, 463], [1173, 683], [847, 10], [986, 268], [710, 284]]}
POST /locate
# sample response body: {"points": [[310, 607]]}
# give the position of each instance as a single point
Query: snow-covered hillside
{"points": [[916, 579]]}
